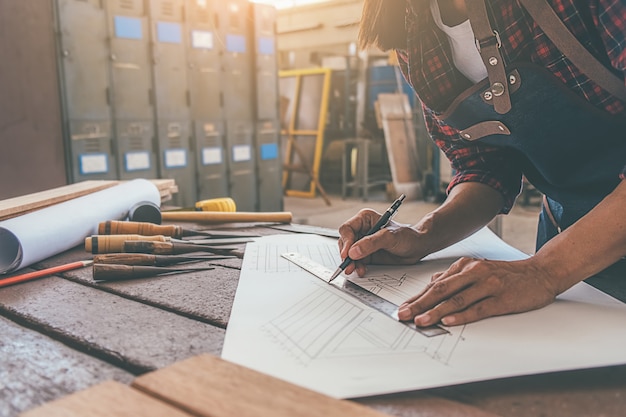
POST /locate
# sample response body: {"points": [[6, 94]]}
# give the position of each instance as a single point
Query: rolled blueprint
{"points": [[35, 236]]}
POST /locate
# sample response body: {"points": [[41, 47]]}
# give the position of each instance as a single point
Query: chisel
{"points": [[115, 227], [114, 243], [168, 248], [153, 260], [111, 272]]}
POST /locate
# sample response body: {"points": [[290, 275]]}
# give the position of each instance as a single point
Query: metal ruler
{"points": [[361, 294]]}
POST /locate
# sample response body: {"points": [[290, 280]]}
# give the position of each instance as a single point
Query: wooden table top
{"points": [[66, 333]]}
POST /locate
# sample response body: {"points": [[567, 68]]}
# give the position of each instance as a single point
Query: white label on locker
{"points": [[93, 164], [175, 158], [242, 153], [137, 161], [202, 39], [211, 156]]}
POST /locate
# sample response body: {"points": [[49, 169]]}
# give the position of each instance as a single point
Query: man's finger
{"points": [[459, 302], [487, 307], [434, 293]]}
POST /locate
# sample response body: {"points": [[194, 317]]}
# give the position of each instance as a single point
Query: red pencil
{"points": [[43, 273]]}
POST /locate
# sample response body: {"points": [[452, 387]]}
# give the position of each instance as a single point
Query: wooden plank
{"points": [[393, 104], [35, 369], [105, 400], [13, 207], [399, 145], [423, 404], [129, 334], [17, 206], [395, 113], [209, 386]]}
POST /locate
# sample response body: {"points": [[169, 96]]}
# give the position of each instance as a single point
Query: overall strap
{"points": [[558, 33], [488, 43]]}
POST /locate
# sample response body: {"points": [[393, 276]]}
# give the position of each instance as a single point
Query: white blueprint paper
{"points": [[289, 324]]}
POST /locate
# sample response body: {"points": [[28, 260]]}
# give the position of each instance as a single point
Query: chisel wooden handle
{"points": [[109, 272], [115, 243], [155, 248], [228, 217], [115, 227], [167, 248], [126, 259], [144, 259]]}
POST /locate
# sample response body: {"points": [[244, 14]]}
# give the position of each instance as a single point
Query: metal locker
{"points": [[176, 159], [237, 87], [131, 88], [269, 162], [85, 81], [265, 61], [204, 52], [241, 164], [211, 161], [269, 166]]}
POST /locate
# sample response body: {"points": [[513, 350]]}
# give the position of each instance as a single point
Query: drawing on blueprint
{"points": [[268, 259], [291, 325], [398, 289], [327, 324]]}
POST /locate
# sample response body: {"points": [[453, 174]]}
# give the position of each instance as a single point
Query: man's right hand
{"points": [[394, 244]]}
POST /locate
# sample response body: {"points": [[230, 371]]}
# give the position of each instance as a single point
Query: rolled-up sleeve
{"points": [[498, 167]]}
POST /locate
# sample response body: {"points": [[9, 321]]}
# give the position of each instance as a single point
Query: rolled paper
{"points": [[32, 237]]}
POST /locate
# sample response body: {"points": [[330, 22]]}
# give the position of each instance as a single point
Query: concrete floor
{"points": [[517, 228]]}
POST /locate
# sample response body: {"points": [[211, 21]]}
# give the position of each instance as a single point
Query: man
{"points": [[502, 101]]}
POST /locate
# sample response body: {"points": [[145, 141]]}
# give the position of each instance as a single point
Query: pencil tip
{"points": [[334, 275]]}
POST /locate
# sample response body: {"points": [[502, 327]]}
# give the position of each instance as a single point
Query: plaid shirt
{"points": [[427, 65]]}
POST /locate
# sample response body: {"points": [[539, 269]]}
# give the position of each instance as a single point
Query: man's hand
{"points": [[471, 290], [394, 244]]}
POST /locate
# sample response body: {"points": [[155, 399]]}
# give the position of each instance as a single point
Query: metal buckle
{"points": [[490, 40]]}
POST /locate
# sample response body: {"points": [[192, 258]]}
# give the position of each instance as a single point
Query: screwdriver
{"points": [[111, 272], [115, 227], [153, 260], [168, 248]]}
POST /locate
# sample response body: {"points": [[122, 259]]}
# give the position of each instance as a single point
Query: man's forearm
{"points": [[590, 245], [469, 207]]}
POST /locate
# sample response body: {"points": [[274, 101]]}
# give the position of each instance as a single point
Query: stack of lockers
{"points": [[182, 89]]}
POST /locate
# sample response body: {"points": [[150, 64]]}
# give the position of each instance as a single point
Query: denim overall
{"points": [[569, 150]]}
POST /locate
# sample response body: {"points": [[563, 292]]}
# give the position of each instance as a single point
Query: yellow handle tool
{"points": [[226, 204]]}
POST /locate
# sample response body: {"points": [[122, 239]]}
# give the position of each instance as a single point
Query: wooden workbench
{"points": [[63, 334]]}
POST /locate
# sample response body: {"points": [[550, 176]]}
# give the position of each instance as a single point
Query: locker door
{"points": [[131, 87], [84, 55], [173, 115]]}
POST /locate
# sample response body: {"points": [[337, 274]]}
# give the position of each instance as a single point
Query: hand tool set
{"points": [[127, 250]]}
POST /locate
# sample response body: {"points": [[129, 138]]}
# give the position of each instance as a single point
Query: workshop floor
{"points": [[517, 228]]}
